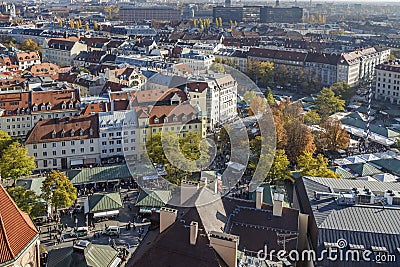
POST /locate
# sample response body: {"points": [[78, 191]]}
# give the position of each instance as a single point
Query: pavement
{"points": [[128, 239]]}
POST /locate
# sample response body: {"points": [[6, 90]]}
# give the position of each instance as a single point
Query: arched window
{"points": [[165, 119], [72, 132], [184, 118], [175, 118], [156, 120]]}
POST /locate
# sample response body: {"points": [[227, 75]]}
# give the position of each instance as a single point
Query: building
{"points": [[118, 133], [102, 205], [387, 82], [63, 143], [291, 59], [269, 14], [137, 14], [323, 67], [62, 51], [228, 13], [19, 244], [215, 94], [27, 59], [19, 112], [365, 214], [197, 61]]}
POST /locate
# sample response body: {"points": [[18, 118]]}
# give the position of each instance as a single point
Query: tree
{"points": [[258, 105], [333, 136], [280, 168], [317, 167], [26, 200], [30, 46], [58, 190], [86, 27], [343, 90], [5, 140], [249, 96], [266, 70], [60, 23], [327, 103], [15, 162], [269, 96], [312, 117], [217, 67], [95, 26]]}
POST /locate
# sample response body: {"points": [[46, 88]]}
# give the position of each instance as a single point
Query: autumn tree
{"points": [[280, 170], [312, 117], [314, 166], [95, 26], [26, 200], [58, 190], [269, 96], [30, 46], [333, 136], [258, 105], [327, 103], [15, 162]]}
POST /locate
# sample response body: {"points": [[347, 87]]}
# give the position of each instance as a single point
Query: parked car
{"points": [[79, 232], [111, 230]]}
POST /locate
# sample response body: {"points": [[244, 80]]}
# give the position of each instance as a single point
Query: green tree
{"points": [[26, 200], [217, 67], [58, 190], [30, 46], [15, 162], [266, 71], [327, 103], [280, 168], [5, 140], [317, 167], [343, 90], [312, 117], [269, 96]]}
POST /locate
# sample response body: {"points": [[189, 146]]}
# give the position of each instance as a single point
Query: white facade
{"points": [[387, 82], [62, 55], [197, 61], [118, 134]]}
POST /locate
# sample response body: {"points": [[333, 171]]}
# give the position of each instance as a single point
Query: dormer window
{"points": [[156, 120], [175, 118], [71, 105], [77, 105], [43, 107], [63, 106], [72, 132], [53, 134], [91, 132], [165, 119], [184, 118], [48, 106], [81, 132], [62, 133], [194, 117]]}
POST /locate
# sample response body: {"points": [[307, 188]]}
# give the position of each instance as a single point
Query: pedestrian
{"points": [[62, 238], [109, 240]]}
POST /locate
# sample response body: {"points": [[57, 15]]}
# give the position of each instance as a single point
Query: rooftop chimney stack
{"points": [[259, 197], [226, 246], [278, 204], [194, 229], [167, 218]]}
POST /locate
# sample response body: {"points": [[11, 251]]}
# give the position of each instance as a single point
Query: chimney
{"points": [[259, 197], [167, 218], [194, 229], [226, 246], [278, 204]]}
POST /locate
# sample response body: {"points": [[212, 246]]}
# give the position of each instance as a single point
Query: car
{"points": [[80, 231], [111, 230]]}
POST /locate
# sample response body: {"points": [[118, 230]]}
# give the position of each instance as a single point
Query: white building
{"points": [[197, 61], [65, 143], [118, 133], [387, 82], [215, 94], [61, 52]]}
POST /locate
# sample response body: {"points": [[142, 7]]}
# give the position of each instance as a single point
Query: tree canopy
{"points": [[327, 103], [5, 140], [58, 190], [333, 136], [30, 46], [343, 90], [314, 166], [15, 162], [280, 168], [26, 200]]}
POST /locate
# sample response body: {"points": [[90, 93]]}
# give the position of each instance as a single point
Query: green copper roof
{"points": [[103, 202], [156, 198], [98, 174]]}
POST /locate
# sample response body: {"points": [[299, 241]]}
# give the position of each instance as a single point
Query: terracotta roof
{"points": [[393, 66], [197, 86], [22, 57], [94, 108], [157, 95], [45, 69], [179, 111], [16, 228], [55, 130]]}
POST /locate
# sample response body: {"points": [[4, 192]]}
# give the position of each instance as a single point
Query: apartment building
{"points": [[62, 143], [118, 133], [19, 112], [62, 51], [291, 59], [387, 82], [215, 95], [197, 61]]}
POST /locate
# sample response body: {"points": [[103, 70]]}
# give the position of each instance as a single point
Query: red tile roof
{"points": [[16, 228], [63, 128]]}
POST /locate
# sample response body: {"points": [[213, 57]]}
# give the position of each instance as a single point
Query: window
{"points": [[54, 153], [82, 142], [73, 151], [72, 132], [91, 149], [119, 142], [44, 153], [44, 145], [119, 134], [82, 150], [111, 142], [104, 143], [54, 144], [111, 150], [54, 162], [63, 143], [35, 155], [91, 141], [45, 163], [111, 134], [103, 135], [34, 146], [72, 143], [63, 152], [119, 149], [156, 120]]}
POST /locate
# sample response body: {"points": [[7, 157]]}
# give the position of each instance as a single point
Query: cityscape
{"points": [[199, 133]]}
